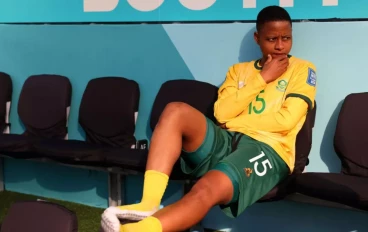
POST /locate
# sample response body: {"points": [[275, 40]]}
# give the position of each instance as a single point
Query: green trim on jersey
{"points": [[256, 64], [305, 98]]}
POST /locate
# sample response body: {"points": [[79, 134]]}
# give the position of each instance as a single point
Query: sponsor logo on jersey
{"points": [[312, 77]]}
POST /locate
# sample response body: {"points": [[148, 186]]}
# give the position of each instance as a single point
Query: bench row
{"points": [[108, 112]]}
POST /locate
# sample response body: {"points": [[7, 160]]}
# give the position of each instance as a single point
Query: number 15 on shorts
{"points": [[265, 163]]}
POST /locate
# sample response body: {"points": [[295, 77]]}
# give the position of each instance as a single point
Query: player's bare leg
{"points": [[180, 127]]}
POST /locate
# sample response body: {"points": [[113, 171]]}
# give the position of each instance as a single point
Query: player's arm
{"points": [[232, 100], [299, 100]]}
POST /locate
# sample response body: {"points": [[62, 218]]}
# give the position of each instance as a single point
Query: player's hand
{"points": [[223, 125], [274, 68]]}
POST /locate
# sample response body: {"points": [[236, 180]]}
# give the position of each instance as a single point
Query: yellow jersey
{"points": [[272, 113]]}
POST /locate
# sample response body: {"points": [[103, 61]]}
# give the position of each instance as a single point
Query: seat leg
{"points": [[2, 188], [116, 183]]}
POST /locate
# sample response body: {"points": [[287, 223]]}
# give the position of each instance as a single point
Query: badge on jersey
{"points": [[312, 77], [281, 85]]}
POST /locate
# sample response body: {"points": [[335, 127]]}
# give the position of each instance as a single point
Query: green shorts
{"points": [[253, 167]]}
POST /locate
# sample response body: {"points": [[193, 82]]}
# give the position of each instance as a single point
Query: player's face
{"points": [[274, 38]]}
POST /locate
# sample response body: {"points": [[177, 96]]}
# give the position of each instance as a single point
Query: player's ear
{"points": [[256, 37]]}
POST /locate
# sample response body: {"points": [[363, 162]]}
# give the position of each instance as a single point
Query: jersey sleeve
{"points": [[304, 85], [282, 121], [233, 98]]}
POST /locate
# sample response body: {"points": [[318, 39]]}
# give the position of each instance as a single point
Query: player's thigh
{"points": [[254, 168], [187, 120], [215, 147]]}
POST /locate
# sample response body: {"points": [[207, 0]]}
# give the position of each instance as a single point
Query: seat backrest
{"points": [[303, 144], [351, 139], [44, 104], [109, 110], [200, 95], [6, 91], [39, 216]]}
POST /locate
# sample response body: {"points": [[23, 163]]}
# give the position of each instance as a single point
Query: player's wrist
{"points": [[223, 125], [265, 77]]}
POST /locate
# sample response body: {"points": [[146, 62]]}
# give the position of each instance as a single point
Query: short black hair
{"points": [[272, 13]]}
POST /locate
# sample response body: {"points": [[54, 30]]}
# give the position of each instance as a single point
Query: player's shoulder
{"points": [[300, 63], [305, 69]]}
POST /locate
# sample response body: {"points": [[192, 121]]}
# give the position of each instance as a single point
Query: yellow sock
{"points": [[149, 224], [154, 187], [155, 184]]}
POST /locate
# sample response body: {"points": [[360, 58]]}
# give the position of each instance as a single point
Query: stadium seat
{"points": [[43, 108], [6, 91], [349, 187], [107, 113], [302, 149], [198, 94], [39, 216]]}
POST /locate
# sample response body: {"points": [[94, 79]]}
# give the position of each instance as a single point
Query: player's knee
{"points": [[214, 188], [174, 111], [203, 192]]}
